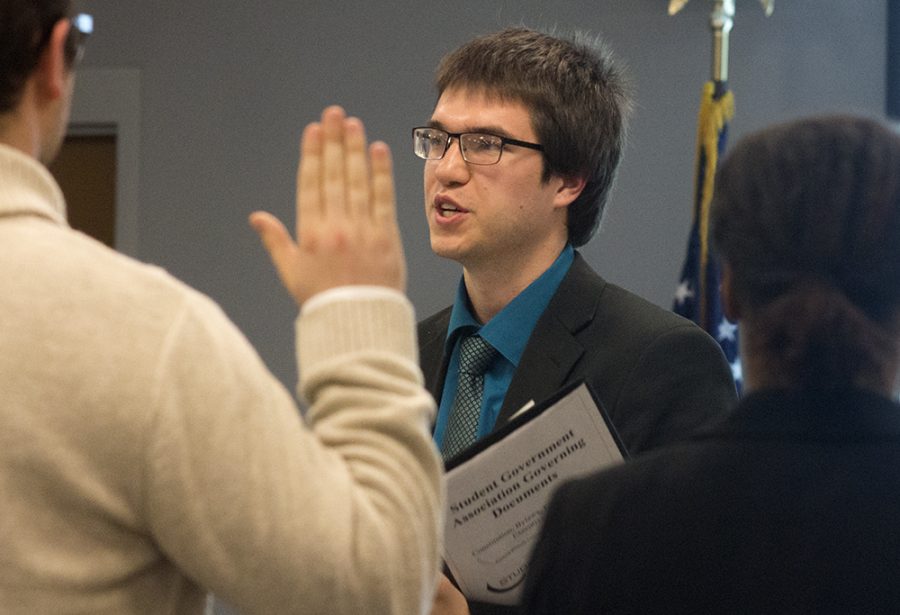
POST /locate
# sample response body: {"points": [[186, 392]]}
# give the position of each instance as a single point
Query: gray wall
{"points": [[227, 86]]}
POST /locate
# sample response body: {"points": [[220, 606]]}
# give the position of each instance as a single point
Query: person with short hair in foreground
{"points": [[147, 456]]}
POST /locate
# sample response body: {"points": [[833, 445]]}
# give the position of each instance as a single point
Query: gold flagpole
{"points": [[716, 110], [697, 297]]}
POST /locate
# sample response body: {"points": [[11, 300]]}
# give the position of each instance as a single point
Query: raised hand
{"points": [[346, 214]]}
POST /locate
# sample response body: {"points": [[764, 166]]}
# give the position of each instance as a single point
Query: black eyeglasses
{"points": [[82, 27], [476, 147]]}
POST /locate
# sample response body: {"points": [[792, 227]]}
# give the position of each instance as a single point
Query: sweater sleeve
{"points": [[341, 513]]}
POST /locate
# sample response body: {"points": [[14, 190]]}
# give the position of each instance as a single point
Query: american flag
{"points": [[697, 296]]}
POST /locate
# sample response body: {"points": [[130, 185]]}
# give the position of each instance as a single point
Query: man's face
{"points": [[484, 214]]}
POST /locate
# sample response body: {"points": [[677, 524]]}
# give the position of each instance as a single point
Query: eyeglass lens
{"points": [[432, 144]]}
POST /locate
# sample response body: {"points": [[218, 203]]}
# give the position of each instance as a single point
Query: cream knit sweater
{"points": [[147, 455]]}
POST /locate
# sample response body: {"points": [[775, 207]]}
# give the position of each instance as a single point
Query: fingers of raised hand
{"points": [[334, 159], [310, 205], [278, 243], [333, 176], [357, 169], [383, 196]]}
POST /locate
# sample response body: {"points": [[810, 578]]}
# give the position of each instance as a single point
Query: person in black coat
{"points": [[790, 503]]}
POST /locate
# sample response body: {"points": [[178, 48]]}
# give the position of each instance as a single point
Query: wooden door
{"points": [[86, 171]]}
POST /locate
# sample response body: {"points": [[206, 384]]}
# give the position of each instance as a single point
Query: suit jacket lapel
{"points": [[553, 350], [432, 335]]}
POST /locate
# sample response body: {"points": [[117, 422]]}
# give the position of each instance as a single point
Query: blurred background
{"points": [[201, 105]]}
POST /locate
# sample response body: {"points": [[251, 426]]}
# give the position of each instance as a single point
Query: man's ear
{"points": [[569, 189], [52, 71], [729, 304]]}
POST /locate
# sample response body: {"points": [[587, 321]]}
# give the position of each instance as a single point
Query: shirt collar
{"points": [[26, 187], [510, 329]]}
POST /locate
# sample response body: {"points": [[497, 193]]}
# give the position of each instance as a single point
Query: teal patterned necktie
{"points": [[475, 356]]}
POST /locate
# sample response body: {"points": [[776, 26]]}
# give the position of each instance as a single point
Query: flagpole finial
{"points": [[677, 5], [721, 20]]}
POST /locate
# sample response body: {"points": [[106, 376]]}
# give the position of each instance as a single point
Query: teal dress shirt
{"points": [[508, 332]]}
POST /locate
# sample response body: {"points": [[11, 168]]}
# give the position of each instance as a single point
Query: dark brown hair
{"points": [[578, 99], [25, 27], [807, 214]]}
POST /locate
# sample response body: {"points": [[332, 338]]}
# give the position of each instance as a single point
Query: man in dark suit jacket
{"points": [[657, 374], [520, 154], [790, 504]]}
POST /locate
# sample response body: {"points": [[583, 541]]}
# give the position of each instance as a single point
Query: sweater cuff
{"points": [[351, 319]]}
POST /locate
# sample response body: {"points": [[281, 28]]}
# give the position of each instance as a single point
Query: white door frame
{"points": [[108, 102]]}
